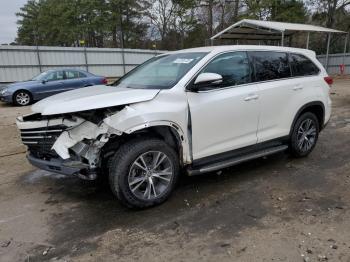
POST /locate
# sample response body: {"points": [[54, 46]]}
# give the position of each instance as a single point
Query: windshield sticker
{"points": [[182, 61]]}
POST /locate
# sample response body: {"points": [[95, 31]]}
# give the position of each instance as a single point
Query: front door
{"points": [[225, 116], [52, 84]]}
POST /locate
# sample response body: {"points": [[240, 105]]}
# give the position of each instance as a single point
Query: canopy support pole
{"points": [[327, 54], [282, 38], [307, 40]]}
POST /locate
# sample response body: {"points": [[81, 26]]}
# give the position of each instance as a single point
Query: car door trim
{"points": [[239, 152]]}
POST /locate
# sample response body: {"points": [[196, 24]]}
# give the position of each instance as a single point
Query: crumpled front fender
{"points": [[132, 119]]}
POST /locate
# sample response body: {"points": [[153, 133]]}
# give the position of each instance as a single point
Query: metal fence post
{"points": [[86, 59], [345, 46], [123, 61], [38, 56]]}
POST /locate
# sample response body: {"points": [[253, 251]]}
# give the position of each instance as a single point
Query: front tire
{"points": [[304, 135], [22, 98], [143, 172]]}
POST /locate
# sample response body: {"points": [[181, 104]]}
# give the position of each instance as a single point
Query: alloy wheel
{"points": [[150, 175], [306, 136], [23, 98]]}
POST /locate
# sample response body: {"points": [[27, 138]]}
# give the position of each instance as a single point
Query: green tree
{"points": [[169, 24], [99, 22], [276, 10], [28, 23]]}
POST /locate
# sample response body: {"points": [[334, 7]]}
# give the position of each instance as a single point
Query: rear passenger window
{"points": [[233, 67], [302, 66], [72, 74], [270, 65]]}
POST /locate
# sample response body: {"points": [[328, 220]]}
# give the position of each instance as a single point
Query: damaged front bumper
{"points": [[69, 146], [57, 165]]}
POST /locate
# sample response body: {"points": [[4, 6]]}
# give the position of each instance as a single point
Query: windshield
{"points": [[161, 72], [42, 76]]}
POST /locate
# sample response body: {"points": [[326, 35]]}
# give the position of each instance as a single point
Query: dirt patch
{"points": [[272, 209]]}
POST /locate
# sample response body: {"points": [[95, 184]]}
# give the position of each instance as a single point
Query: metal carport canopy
{"points": [[248, 29]]}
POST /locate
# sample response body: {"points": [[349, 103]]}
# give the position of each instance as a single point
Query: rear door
{"points": [[281, 93], [73, 80], [273, 77]]}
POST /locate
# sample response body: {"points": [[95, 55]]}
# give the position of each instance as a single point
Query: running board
{"points": [[236, 160]]}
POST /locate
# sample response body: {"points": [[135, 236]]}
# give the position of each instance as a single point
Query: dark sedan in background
{"points": [[47, 84]]}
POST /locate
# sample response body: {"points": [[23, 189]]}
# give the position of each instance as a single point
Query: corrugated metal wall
{"points": [[334, 62], [19, 63]]}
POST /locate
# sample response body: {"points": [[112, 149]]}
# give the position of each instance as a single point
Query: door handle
{"points": [[251, 97], [297, 87]]}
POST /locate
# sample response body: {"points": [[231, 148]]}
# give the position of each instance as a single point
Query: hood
{"points": [[23, 84], [93, 97]]}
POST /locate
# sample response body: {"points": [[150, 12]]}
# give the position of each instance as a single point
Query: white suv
{"points": [[197, 110]]}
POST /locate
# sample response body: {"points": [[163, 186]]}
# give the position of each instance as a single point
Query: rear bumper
{"points": [[55, 165]]}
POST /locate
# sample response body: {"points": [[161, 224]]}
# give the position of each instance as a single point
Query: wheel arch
{"points": [[21, 90], [168, 131], [316, 107], [171, 134]]}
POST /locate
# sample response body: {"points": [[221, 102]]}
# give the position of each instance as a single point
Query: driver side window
{"points": [[233, 67]]}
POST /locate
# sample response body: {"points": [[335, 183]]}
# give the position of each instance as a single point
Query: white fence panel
{"points": [[334, 62], [18, 63]]}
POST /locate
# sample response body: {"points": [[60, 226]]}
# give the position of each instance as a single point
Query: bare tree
{"points": [[161, 15]]}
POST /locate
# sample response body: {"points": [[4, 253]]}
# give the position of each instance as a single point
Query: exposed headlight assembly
{"points": [[4, 92]]}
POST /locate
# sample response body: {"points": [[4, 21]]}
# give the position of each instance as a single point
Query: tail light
{"points": [[329, 80], [104, 81]]}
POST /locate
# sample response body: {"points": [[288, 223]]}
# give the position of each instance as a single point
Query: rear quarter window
{"points": [[270, 65], [81, 75], [302, 66]]}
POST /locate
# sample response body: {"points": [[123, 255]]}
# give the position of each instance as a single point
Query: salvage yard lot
{"points": [[276, 208]]}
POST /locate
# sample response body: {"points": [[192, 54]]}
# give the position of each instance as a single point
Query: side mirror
{"points": [[208, 79], [43, 81]]}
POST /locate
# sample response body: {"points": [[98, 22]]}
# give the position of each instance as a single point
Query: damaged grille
{"points": [[40, 140]]}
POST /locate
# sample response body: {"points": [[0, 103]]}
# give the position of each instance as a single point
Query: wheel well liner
{"points": [[20, 90], [167, 133], [316, 107]]}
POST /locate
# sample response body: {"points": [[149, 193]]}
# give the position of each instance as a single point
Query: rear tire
{"points": [[143, 172], [22, 98], [304, 135]]}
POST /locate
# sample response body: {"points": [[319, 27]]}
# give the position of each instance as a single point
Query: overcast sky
{"points": [[8, 26]]}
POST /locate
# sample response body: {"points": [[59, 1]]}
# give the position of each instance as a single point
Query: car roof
{"points": [[75, 69], [224, 48]]}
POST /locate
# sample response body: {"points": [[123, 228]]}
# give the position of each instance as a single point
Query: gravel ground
{"points": [[271, 209]]}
